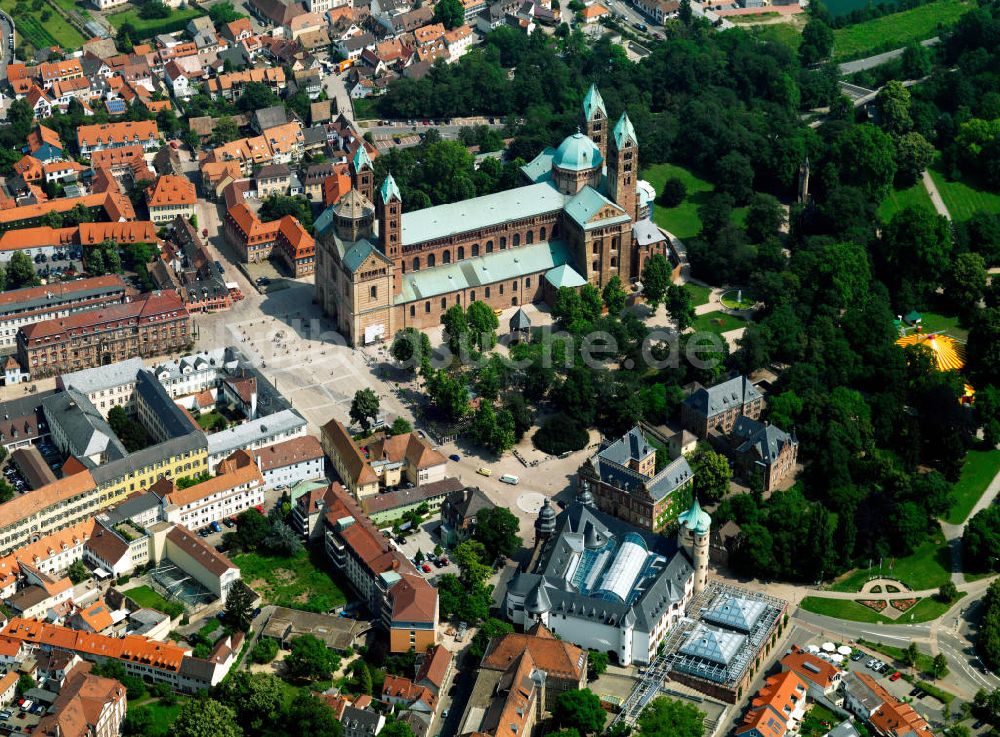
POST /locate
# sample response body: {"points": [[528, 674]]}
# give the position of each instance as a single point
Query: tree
{"points": [[494, 430], [21, 271], [410, 347], [456, 329], [251, 529], [78, 572], [656, 276], [914, 153], [914, 253], [981, 540], [483, 324], [734, 175], [496, 528], [449, 12], [138, 722], [283, 540], [224, 12], [225, 130], [916, 61], [470, 557], [948, 592], [365, 408], [671, 718], [597, 664], [568, 309], [400, 426], [450, 394], [590, 302], [362, 678], [396, 728], [939, 666], [679, 306], [672, 193], [490, 629], [239, 607], [817, 42], [910, 654], [580, 710], [765, 216], [310, 659], [255, 697], [711, 475], [205, 718], [966, 283], [24, 684], [308, 715], [463, 603], [265, 650], [684, 13], [614, 295], [865, 156], [893, 102]]}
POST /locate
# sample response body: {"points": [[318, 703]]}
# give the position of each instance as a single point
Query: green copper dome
{"points": [[389, 190], [576, 153], [696, 519]]}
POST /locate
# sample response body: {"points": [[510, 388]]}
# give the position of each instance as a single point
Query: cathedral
{"points": [[581, 216]]}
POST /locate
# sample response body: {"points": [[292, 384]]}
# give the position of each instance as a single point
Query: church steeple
{"points": [[623, 165], [595, 119], [363, 173]]}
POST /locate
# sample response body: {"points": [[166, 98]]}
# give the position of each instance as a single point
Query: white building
{"points": [[601, 583], [106, 386], [283, 425], [291, 461], [194, 373], [237, 487]]}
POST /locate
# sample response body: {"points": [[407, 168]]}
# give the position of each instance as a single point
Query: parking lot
{"points": [[16, 719], [424, 539], [67, 262]]}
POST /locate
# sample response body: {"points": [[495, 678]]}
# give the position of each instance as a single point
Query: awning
{"points": [[101, 573]]}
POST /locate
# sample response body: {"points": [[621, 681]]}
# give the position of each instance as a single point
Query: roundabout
{"points": [[530, 502]]}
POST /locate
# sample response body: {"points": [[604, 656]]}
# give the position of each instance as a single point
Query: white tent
{"points": [[837, 658], [812, 648], [844, 650], [829, 647]]}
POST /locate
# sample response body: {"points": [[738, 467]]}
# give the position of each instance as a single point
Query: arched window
{"points": [[503, 242], [413, 311], [461, 253], [529, 238], [472, 296], [527, 282], [487, 292], [431, 260], [427, 306], [514, 286], [614, 262], [404, 267], [444, 303], [517, 239], [541, 234], [501, 287], [513, 300], [489, 246], [416, 263], [446, 257], [458, 299], [475, 250]]}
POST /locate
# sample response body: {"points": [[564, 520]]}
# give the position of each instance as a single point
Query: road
{"points": [[870, 62], [7, 55]]}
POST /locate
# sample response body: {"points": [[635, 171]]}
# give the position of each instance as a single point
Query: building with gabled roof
{"points": [[251, 238], [44, 144], [169, 197], [624, 480], [458, 514], [403, 601], [717, 407], [886, 715], [822, 676], [87, 706], [762, 451], [97, 137], [236, 487], [295, 247], [777, 708], [352, 468]]}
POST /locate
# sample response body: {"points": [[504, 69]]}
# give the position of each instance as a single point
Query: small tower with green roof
{"points": [[623, 165], [363, 173], [389, 212], [693, 535], [595, 119]]}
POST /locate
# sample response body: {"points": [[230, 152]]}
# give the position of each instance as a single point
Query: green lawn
{"points": [[699, 294], [782, 33], [897, 29], [927, 568], [927, 609], [896, 653], [53, 32], [683, 221], [915, 196], [977, 473], [163, 715], [74, 6], [964, 198], [817, 721], [364, 108], [147, 28], [301, 582], [842, 609], [718, 322], [146, 597]]}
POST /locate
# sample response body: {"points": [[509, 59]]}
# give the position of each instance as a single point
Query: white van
{"points": [[509, 478]]}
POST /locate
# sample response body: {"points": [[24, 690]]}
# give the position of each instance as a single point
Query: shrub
{"points": [[673, 193], [561, 434], [265, 650]]}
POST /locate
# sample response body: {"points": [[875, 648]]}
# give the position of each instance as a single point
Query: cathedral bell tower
{"points": [[595, 120], [363, 173], [389, 212], [623, 166]]}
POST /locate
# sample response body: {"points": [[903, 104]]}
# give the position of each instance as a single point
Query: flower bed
{"points": [[877, 605], [903, 604], [876, 589]]}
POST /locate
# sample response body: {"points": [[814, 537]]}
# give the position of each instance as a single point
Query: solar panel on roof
{"points": [[116, 106]]}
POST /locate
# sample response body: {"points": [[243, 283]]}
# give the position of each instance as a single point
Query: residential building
{"points": [[272, 179], [152, 661], [231, 84], [717, 407], [570, 224], [147, 327], [171, 197], [401, 600], [777, 708], [105, 386], [601, 584], [252, 239], [884, 714], [44, 144], [507, 703], [624, 480], [355, 722], [8, 683], [762, 452], [201, 561], [291, 461], [350, 464], [458, 514], [92, 138], [22, 307], [236, 487], [263, 431], [821, 676], [388, 507], [295, 247], [87, 706]]}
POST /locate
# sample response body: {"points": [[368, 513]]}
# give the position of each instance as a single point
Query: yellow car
{"points": [[485, 472]]}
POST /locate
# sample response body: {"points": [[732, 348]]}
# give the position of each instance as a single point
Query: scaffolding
{"points": [[652, 679]]}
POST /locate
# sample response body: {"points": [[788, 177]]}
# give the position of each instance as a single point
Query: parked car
{"points": [[914, 691], [509, 478], [895, 676], [215, 527], [979, 724], [455, 457], [426, 568], [857, 655], [484, 471]]}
